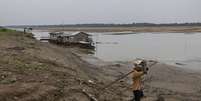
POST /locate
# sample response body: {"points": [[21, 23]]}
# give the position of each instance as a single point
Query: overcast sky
{"points": [[19, 12]]}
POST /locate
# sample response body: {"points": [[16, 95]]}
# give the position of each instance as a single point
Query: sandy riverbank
{"points": [[35, 71], [175, 29]]}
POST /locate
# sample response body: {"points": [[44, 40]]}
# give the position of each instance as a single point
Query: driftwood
{"points": [[90, 96]]}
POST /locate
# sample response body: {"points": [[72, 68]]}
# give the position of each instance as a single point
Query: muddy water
{"points": [[40, 34], [166, 47]]}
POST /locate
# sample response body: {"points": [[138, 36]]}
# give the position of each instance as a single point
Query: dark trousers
{"points": [[138, 94]]}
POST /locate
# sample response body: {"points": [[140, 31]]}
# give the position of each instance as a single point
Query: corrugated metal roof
{"points": [[68, 33], [75, 33]]}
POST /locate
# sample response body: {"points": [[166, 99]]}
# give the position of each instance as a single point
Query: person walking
{"points": [[138, 71]]}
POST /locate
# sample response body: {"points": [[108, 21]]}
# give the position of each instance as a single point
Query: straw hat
{"points": [[138, 62]]}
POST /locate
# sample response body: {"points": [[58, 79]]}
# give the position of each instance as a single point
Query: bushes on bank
{"points": [[4, 30]]}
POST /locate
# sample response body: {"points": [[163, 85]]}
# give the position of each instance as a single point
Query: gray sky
{"points": [[18, 12]]}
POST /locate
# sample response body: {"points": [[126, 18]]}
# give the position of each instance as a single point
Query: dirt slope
{"points": [[34, 71]]}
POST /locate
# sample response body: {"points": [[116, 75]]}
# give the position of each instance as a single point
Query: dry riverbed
{"points": [[35, 71]]}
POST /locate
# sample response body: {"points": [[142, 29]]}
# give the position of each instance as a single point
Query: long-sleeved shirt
{"points": [[137, 80]]}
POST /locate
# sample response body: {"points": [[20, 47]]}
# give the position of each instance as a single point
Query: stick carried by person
{"points": [[139, 62]]}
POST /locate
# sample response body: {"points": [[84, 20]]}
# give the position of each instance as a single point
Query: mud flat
{"points": [[35, 71], [163, 82]]}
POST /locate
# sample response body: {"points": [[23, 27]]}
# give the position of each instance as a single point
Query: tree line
{"points": [[115, 25], [127, 25]]}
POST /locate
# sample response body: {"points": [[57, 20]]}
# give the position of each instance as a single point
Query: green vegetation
{"points": [[5, 30]]}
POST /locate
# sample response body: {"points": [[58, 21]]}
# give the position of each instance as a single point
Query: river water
{"points": [[163, 46], [181, 48]]}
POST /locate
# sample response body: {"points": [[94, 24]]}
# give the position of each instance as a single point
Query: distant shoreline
{"points": [[177, 29]]}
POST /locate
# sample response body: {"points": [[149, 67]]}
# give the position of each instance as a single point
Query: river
{"points": [[180, 48]]}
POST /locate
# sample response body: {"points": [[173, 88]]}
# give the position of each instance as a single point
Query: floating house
{"points": [[27, 30], [53, 36], [72, 39]]}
